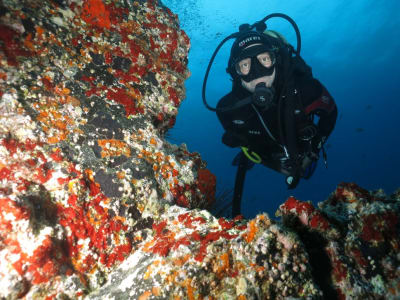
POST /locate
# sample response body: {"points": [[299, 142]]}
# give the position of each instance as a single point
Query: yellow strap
{"points": [[255, 158]]}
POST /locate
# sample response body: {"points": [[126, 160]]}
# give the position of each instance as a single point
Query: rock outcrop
{"points": [[95, 203]]}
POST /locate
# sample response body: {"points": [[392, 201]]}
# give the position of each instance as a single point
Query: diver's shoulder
{"points": [[226, 100], [310, 89]]}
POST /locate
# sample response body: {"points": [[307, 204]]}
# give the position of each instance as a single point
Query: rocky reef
{"points": [[95, 203]]}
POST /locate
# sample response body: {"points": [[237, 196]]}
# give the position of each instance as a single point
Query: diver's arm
{"points": [[324, 107], [231, 137]]}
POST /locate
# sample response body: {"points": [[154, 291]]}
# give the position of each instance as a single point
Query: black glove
{"points": [[309, 164], [303, 167], [317, 142], [308, 158], [293, 166], [233, 139]]}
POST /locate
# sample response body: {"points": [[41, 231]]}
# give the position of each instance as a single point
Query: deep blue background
{"points": [[353, 48]]}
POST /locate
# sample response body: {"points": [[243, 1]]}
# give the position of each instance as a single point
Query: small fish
{"points": [[359, 129], [368, 107]]}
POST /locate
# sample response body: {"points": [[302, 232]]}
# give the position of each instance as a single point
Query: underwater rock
{"points": [[88, 90], [95, 203], [353, 241]]}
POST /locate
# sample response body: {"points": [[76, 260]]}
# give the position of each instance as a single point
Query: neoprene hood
{"points": [[241, 48]]}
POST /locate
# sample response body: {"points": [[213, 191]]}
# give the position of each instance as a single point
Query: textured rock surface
{"points": [[353, 242], [95, 203]]}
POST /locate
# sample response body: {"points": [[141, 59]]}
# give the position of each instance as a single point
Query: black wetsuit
{"points": [[243, 126]]}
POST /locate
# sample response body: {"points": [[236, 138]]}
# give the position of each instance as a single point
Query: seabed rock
{"points": [[96, 204]]}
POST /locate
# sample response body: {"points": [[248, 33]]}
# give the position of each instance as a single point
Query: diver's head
{"points": [[252, 60]]}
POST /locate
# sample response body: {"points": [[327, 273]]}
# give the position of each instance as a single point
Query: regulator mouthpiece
{"points": [[263, 96]]}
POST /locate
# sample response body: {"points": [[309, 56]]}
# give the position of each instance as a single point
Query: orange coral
{"points": [[222, 265], [53, 122], [146, 295], [153, 141], [114, 147], [252, 230]]}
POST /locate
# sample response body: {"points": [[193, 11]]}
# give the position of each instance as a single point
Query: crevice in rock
{"points": [[321, 268]]}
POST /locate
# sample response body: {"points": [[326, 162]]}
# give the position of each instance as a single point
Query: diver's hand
{"points": [[309, 164], [317, 142], [293, 167], [303, 167], [309, 157]]}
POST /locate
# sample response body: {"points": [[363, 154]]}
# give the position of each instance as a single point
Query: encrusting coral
{"points": [[95, 203]]}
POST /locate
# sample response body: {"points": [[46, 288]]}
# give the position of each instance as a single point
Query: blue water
{"points": [[354, 50]]}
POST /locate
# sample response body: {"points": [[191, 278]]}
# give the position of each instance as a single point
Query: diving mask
{"points": [[255, 62]]}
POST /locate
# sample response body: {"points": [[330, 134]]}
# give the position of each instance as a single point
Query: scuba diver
{"points": [[277, 112]]}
